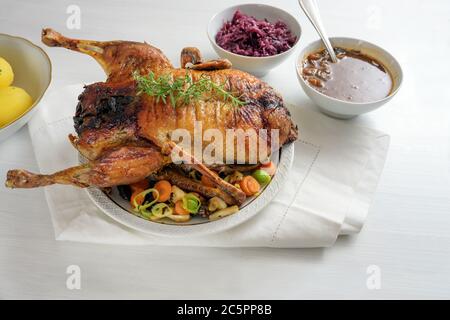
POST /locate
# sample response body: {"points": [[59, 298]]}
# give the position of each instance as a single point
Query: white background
{"points": [[407, 231]]}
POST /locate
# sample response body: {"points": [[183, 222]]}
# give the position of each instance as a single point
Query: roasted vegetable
{"points": [[191, 203], [139, 204], [216, 203], [164, 190], [180, 218], [235, 177], [250, 186], [177, 194], [179, 208], [223, 213], [136, 199], [159, 211], [261, 176]]}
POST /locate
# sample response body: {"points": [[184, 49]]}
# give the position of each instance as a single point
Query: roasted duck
{"points": [[125, 135]]}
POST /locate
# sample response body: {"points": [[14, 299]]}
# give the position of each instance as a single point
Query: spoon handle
{"points": [[312, 12]]}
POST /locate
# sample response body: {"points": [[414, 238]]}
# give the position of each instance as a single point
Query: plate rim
{"points": [[120, 215]]}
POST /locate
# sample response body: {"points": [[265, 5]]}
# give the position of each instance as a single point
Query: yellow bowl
{"points": [[32, 72]]}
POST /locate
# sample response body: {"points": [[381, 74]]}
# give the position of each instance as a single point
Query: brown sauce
{"points": [[355, 77]]}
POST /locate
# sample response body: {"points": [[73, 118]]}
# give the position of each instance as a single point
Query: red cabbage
{"points": [[248, 36]]}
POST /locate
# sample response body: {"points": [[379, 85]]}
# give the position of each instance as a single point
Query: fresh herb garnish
{"points": [[183, 90]]}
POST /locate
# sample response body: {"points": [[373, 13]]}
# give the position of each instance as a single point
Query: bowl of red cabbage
{"points": [[254, 37]]}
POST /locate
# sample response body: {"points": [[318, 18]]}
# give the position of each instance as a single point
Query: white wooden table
{"points": [[407, 231]]}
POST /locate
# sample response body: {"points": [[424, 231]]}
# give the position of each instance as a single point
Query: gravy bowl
{"points": [[347, 109]]}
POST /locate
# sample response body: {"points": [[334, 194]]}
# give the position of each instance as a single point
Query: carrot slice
{"points": [[164, 190], [249, 185], [269, 167], [179, 209], [141, 185], [139, 200]]}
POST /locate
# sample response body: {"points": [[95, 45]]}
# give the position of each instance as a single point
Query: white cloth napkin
{"points": [[328, 193]]}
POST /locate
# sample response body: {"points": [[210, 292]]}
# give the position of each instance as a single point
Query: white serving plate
{"points": [[120, 210]]}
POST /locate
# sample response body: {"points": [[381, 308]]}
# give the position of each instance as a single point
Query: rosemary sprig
{"points": [[183, 90]]}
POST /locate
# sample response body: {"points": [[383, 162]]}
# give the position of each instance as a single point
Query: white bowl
{"points": [[257, 66], [32, 72], [346, 109]]}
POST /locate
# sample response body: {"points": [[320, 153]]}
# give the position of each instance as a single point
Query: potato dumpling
{"points": [[6, 73], [14, 102]]}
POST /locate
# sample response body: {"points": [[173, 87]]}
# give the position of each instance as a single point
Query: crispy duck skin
{"points": [[112, 116]]}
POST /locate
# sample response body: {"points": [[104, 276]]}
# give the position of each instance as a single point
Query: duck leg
{"points": [[119, 59], [124, 165]]}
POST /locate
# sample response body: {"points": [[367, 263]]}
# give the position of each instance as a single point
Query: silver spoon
{"points": [[312, 12]]}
